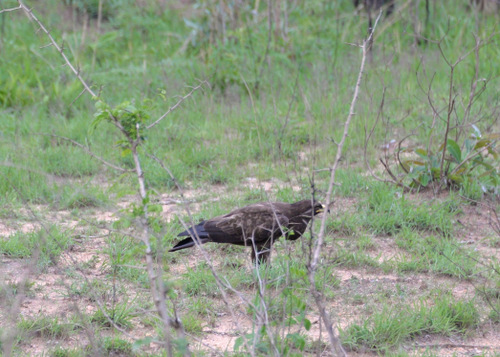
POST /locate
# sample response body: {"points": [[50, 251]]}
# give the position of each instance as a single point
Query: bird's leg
{"points": [[261, 252]]}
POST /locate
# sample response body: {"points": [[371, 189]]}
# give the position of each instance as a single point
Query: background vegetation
{"points": [[396, 267]]}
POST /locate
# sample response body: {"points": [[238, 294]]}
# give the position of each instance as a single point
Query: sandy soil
{"points": [[54, 292]]}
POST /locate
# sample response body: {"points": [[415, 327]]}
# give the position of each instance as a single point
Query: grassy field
{"points": [[410, 261]]}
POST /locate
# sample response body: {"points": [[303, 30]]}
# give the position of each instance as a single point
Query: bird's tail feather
{"points": [[197, 232], [187, 243]]}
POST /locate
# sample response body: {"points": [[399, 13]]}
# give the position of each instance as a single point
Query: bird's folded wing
{"points": [[259, 225]]}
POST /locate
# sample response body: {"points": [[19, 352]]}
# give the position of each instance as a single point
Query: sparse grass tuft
{"points": [[72, 198], [450, 316], [47, 246], [45, 327], [124, 259], [387, 212], [494, 314], [115, 346], [193, 323], [391, 326], [436, 254], [359, 258], [120, 314], [66, 352], [346, 225], [472, 190], [10, 290], [200, 281], [25, 185]]}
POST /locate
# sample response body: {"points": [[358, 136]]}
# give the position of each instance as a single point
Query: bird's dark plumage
{"points": [[257, 225]]}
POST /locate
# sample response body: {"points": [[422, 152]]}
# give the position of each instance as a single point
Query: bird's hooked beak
{"points": [[323, 209]]}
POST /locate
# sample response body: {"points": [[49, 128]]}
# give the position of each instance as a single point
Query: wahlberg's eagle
{"points": [[257, 225]]}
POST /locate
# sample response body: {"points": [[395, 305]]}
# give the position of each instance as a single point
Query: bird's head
{"points": [[306, 207], [319, 208]]}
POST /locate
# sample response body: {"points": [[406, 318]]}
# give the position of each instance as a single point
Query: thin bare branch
{"points": [[89, 152], [221, 286], [220, 283], [11, 9], [451, 104], [395, 179], [157, 286], [367, 140], [335, 344], [176, 105], [60, 49], [351, 114], [32, 264], [77, 97]]}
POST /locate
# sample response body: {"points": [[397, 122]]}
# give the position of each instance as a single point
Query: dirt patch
{"points": [[222, 336], [59, 291], [9, 228], [14, 270], [268, 186]]}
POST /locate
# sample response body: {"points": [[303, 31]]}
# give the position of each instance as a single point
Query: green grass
{"points": [[116, 346], [193, 324], [436, 254], [355, 259], [273, 113], [9, 291], [347, 225], [66, 352], [46, 327], [82, 197], [387, 212], [393, 325], [45, 245], [105, 346], [91, 289], [200, 281], [119, 314], [124, 256], [25, 185], [231, 135]]}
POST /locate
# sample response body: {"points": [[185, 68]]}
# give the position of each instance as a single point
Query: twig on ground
{"points": [[451, 345]]}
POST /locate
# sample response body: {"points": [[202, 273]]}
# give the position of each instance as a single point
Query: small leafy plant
{"points": [[126, 116], [475, 161]]}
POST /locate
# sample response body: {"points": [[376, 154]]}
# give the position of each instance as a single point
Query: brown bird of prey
{"points": [[257, 225]]}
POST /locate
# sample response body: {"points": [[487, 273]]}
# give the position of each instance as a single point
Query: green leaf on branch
{"points": [[454, 150]]}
